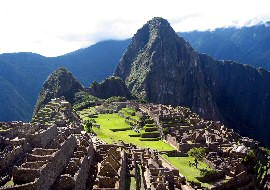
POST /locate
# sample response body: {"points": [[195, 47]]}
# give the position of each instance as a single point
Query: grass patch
{"points": [[109, 121], [131, 183], [191, 173], [129, 112]]}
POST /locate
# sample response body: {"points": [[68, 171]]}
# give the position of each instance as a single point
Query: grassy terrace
{"points": [[190, 172], [113, 121], [126, 112], [86, 112]]}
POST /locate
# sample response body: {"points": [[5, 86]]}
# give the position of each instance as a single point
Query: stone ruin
{"points": [[53, 152], [49, 154], [226, 149]]}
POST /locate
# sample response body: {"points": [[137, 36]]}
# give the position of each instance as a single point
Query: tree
{"points": [[197, 153], [88, 125]]}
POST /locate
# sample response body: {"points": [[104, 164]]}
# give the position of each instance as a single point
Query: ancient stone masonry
{"points": [[112, 168], [226, 151], [53, 152], [152, 171]]}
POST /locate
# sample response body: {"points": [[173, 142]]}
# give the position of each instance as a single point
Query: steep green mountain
{"points": [[60, 83], [26, 72], [162, 67], [249, 45], [112, 86]]}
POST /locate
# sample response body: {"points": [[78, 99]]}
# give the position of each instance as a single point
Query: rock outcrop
{"points": [[162, 67], [112, 86], [60, 83]]}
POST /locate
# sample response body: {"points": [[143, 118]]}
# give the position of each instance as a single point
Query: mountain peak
{"points": [[157, 22], [60, 83], [155, 47], [156, 27]]}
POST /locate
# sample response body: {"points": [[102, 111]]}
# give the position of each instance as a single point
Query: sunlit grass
{"points": [[113, 121], [190, 172]]}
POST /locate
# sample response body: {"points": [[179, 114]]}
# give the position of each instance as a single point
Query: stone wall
{"points": [[44, 137]]}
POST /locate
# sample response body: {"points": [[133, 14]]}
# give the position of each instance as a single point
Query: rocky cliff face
{"points": [[163, 68], [112, 86], [60, 83]]}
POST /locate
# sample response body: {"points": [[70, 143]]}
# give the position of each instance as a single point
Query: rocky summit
{"points": [[162, 67], [112, 86], [60, 83]]}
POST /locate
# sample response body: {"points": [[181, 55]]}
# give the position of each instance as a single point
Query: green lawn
{"points": [[113, 121], [126, 110], [182, 164]]}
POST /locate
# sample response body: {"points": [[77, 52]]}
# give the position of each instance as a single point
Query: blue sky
{"points": [[56, 27]]}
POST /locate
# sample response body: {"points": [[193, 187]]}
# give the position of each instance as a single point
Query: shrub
{"points": [[88, 126], [165, 131]]}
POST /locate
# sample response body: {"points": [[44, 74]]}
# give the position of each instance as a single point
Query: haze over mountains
{"points": [[22, 74], [248, 45]]}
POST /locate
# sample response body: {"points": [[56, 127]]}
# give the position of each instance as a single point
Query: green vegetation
{"points": [[250, 157], [87, 113], [131, 183], [197, 153], [131, 113], [113, 121], [88, 124], [116, 99], [60, 83], [190, 172], [84, 100], [110, 87]]}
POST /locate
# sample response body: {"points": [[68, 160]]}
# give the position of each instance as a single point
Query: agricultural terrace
{"points": [[114, 128], [109, 122]]}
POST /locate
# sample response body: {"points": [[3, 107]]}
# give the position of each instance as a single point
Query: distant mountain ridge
{"points": [[247, 45], [162, 67], [22, 74]]}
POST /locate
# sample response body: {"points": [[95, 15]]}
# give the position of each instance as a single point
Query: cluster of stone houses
{"points": [[226, 149], [51, 154], [54, 152]]}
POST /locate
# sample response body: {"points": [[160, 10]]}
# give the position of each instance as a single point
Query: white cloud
{"points": [[55, 27]]}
